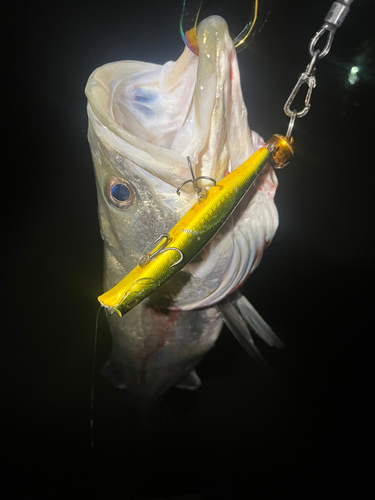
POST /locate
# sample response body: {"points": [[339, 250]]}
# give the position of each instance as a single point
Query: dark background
{"points": [[303, 434]]}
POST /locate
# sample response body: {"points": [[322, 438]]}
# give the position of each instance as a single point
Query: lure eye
{"points": [[120, 193], [132, 303]]}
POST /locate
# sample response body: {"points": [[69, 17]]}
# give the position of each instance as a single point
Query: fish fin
{"points": [[191, 382], [256, 323], [236, 324]]}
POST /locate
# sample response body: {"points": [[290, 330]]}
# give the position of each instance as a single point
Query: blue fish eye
{"points": [[120, 193]]}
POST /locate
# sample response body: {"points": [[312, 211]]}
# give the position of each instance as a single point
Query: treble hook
{"points": [[147, 257], [201, 191]]}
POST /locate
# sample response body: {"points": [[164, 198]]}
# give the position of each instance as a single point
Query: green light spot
{"points": [[353, 75]]}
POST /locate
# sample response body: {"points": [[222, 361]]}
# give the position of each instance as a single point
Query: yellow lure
{"points": [[193, 231]]}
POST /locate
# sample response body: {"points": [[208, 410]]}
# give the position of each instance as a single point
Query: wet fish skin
{"points": [[154, 349]]}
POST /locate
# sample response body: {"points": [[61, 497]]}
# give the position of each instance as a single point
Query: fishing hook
{"points": [[258, 17], [201, 191], [147, 257]]}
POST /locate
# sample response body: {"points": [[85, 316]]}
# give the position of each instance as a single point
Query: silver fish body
{"points": [[144, 120]]}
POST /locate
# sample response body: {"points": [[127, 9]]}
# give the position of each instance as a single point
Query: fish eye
{"points": [[120, 193]]}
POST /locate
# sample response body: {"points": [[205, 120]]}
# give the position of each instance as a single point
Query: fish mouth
{"points": [[180, 107]]}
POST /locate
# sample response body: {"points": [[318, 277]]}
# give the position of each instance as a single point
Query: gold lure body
{"points": [[193, 231]]}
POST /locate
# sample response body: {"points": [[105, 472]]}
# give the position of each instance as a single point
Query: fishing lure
{"points": [[194, 230]]}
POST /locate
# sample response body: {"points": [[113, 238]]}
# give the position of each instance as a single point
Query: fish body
{"points": [[144, 120]]}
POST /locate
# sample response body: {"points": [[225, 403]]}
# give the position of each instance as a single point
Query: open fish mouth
{"points": [[145, 119]]}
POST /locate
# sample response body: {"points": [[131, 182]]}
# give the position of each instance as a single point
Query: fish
{"points": [[144, 121]]}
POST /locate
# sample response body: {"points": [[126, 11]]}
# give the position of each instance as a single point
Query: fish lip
{"points": [[97, 93]]}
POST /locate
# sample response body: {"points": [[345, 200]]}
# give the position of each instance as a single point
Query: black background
{"points": [[304, 434]]}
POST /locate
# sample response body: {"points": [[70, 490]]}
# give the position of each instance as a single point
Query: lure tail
{"points": [[242, 318]]}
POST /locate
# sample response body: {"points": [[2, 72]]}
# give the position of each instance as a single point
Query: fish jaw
{"points": [[220, 138]]}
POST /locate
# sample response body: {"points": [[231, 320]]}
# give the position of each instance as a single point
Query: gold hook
{"points": [[240, 41]]}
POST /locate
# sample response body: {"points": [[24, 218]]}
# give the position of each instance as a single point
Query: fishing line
{"points": [[93, 378]]}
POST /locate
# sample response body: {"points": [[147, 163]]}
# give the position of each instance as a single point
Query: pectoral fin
{"points": [[191, 382], [256, 323], [239, 315]]}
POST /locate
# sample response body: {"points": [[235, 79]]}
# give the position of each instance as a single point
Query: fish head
{"points": [[144, 121]]}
